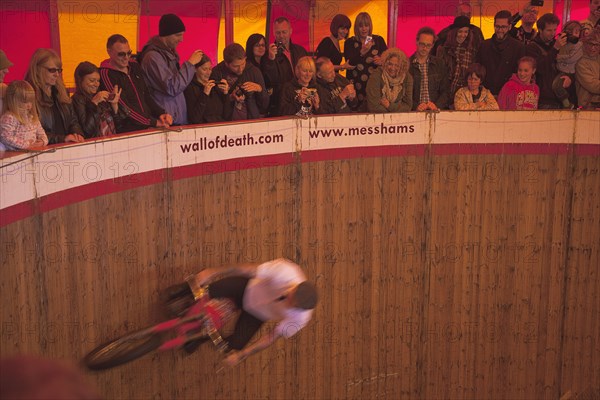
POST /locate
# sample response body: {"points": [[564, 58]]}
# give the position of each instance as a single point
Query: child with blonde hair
{"points": [[521, 92], [20, 126]]}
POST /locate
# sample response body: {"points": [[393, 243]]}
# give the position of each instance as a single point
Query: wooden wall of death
{"points": [[440, 276]]}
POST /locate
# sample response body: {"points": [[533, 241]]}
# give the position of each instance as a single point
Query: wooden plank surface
{"points": [[462, 276]]}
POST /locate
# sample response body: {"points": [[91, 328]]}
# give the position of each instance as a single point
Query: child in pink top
{"points": [[20, 126], [520, 92]]}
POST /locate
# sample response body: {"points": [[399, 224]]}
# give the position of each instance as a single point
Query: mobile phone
{"points": [[368, 39], [537, 3], [111, 97]]}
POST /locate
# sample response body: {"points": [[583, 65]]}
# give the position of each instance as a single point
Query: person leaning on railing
{"points": [[474, 96], [54, 104], [97, 111], [206, 98], [390, 87]]}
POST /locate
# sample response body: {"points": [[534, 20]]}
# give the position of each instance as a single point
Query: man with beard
{"points": [[500, 54], [164, 75]]}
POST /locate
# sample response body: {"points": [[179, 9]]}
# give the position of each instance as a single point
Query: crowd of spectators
{"points": [[518, 68]]}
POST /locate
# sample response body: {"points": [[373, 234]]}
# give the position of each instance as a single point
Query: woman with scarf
{"points": [[459, 52], [389, 88]]}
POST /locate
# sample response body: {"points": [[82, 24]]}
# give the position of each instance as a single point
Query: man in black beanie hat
{"points": [[164, 76]]}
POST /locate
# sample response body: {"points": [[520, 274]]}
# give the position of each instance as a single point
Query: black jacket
{"points": [[501, 60], [90, 115], [67, 116], [136, 102], [257, 103], [330, 101], [439, 84], [545, 72], [279, 71], [202, 108], [289, 104]]}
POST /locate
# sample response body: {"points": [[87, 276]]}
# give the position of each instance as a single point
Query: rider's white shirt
{"points": [[274, 279]]}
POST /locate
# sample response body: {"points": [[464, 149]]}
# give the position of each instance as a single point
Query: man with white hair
{"points": [[337, 93]]}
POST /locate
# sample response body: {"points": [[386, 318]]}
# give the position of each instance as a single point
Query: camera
{"points": [[239, 92], [311, 92], [537, 3], [111, 97], [572, 38], [280, 47]]}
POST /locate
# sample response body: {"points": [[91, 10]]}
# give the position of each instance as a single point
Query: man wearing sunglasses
{"points": [[121, 71], [160, 63]]}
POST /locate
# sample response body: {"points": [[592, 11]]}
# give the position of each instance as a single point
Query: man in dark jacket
{"points": [[248, 97], [336, 93], [166, 78], [500, 55], [544, 49], [120, 70], [279, 66], [431, 86]]}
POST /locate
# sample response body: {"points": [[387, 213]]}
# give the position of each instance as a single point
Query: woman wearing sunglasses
{"points": [[54, 104]]}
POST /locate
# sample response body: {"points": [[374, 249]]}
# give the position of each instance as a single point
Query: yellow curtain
{"points": [[84, 27]]}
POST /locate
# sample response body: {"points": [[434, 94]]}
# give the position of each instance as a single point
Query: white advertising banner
{"points": [[364, 130], [28, 176]]}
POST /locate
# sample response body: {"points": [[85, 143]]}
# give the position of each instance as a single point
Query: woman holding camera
{"points": [[363, 51], [206, 99], [96, 111], [299, 96]]}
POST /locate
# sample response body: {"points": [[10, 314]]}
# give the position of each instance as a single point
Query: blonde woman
{"points": [[363, 51], [54, 105], [299, 96], [389, 88], [20, 126]]}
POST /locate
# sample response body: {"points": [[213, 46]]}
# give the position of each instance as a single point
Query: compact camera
{"points": [[537, 3], [111, 97], [572, 38], [280, 47]]}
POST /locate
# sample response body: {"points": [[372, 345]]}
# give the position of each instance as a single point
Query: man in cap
{"points": [[5, 64], [160, 62]]}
